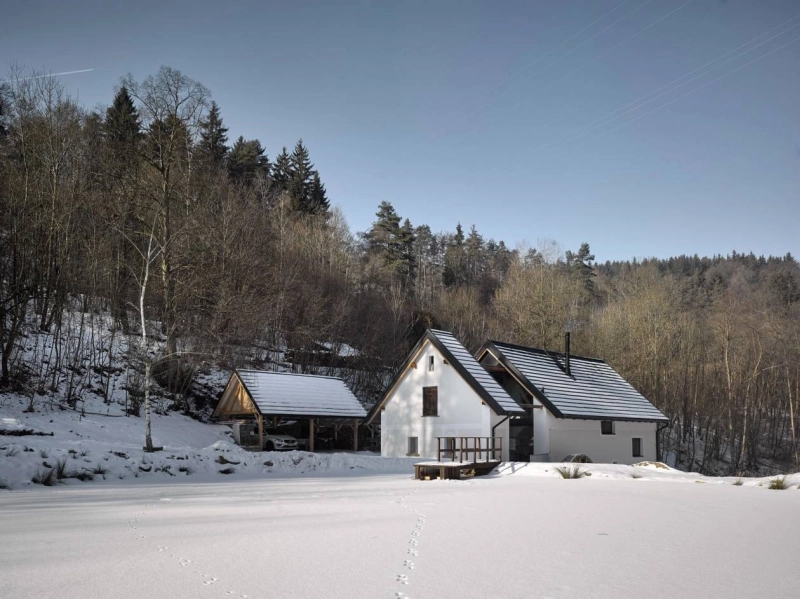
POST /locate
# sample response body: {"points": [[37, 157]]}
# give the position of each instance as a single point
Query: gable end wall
{"points": [[461, 410]]}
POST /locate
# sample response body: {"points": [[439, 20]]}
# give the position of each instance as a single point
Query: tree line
{"points": [[243, 252]]}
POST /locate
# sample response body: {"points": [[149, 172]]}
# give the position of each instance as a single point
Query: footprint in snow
{"points": [[409, 564], [162, 547], [402, 579], [413, 542], [185, 562], [413, 552], [210, 581]]}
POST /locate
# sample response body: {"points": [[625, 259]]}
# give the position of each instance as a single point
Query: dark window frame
{"points": [[637, 452], [430, 401], [607, 427]]}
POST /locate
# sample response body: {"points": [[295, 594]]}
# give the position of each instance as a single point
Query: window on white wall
{"points": [[430, 401], [413, 446], [430, 363], [637, 447], [607, 427]]}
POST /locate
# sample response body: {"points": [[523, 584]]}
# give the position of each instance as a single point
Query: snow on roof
{"points": [[477, 373], [290, 394], [594, 390]]}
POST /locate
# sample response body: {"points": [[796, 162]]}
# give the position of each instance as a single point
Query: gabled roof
{"points": [[592, 391], [289, 394], [467, 367]]}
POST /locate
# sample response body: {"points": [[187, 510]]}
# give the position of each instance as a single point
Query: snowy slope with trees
{"points": [[247, 259]]}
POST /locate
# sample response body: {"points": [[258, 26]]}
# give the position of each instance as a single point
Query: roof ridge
{"points": [[547, 352], [316, 376]]}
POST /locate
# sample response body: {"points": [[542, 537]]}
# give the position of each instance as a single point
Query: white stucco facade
{"points": [[461, 411], [569, 436]]}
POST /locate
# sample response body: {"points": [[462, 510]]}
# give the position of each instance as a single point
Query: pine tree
{"points": [[474, 255], [407, 265], [121, 128], [300, 179], [212, 147], [581, 267], [454, 274], [247, 161], [282, 170], [318, 198]]}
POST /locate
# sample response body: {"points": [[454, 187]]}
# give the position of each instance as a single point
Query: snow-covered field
{"points": [[388, 536]]}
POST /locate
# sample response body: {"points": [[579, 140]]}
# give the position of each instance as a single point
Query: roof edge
{"points": [[530, 387], [467, 375], [547, 352]]}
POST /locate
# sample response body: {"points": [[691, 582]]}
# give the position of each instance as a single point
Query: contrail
{"points": [[52, 75]]}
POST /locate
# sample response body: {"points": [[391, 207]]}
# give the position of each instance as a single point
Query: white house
{"points": [[561, 404], [441, 391]]}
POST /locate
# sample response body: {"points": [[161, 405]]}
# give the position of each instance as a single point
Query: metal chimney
{"points": [[566, 354]]}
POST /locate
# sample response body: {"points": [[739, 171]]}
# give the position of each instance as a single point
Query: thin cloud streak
{"points": [[53, 75]]}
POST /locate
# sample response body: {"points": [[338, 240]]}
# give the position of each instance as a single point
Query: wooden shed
{"points": [[264, 395]]}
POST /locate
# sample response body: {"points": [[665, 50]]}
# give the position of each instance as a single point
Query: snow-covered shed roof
{"points": [[290, 394], [593, 390], [466, 365]]}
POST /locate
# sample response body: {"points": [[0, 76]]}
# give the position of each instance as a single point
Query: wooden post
{"points": [[355, 435], [311, 434], [260, 420]]}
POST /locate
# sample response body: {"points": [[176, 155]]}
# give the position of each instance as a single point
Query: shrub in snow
{"points": [[571, 471], [46, 477], [738, 482], [779, 483], [63, 472], [4, 484], [221, 459], [229, 470]]}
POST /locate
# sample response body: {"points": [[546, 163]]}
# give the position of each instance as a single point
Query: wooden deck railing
{"points": [[470, 449]]}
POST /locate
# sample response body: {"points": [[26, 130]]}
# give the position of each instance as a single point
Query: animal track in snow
{"points": [[402, 579]]}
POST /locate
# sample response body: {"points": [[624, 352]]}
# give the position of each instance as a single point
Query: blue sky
{"points": [[488, 113]]}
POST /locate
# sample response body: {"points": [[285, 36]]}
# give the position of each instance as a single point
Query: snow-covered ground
{"points": [[343, 525], [205, 518], [388, 536]]}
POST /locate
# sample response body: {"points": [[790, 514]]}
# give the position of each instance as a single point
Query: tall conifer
{"points": [[212, 147]]}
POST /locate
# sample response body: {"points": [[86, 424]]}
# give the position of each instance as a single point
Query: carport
{"points": [[261, 395]]}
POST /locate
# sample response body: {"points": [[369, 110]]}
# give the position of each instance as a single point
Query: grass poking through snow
{"points": [[779, 483], [571, 471]]}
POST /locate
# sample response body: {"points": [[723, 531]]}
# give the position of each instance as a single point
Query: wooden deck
{"points": [[476, 456], [452, 470]]}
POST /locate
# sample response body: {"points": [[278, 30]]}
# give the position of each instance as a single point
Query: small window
{"points": [[637, 447], [430, 364], [430, 401], [413, 446], [607, 427]]}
